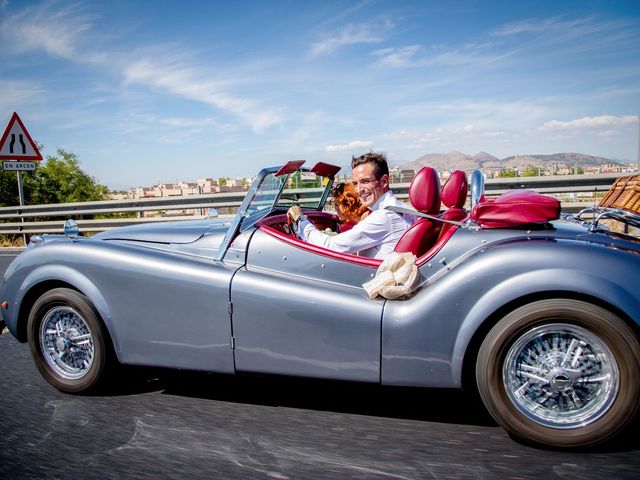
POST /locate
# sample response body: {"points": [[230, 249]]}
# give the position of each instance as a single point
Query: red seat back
{"points": [[424, 195], [454, 196], [455, 189]]}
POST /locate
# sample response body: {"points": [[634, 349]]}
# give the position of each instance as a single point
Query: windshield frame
{"points": [[258, 203]]}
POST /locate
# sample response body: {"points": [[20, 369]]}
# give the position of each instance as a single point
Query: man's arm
{"points": [[369, 233]]}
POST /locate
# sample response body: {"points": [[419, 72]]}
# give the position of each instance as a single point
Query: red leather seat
{"points": [[424, 195]]}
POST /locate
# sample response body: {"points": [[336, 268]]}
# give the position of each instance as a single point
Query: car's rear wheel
{"points": [[562, 373], [67, 341]]}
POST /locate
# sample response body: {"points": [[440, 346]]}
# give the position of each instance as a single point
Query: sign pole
{"points": [[20, 192], [21, 196]]}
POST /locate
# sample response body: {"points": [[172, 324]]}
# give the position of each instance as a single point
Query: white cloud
{"points": [[347, 147], [351, 34], [445, 136], [413, 56], [189, 122], [467, 110], [533, 25], [607, 134], [591, 122], [399, 57], [15, 94], [563, 37], [50, 26], [62, 30], [190, 83]]}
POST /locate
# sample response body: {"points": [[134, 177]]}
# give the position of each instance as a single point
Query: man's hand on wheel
{"points": [[294, 213]]}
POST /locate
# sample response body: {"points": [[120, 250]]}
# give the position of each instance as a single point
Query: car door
{"points": [[296, 312]]}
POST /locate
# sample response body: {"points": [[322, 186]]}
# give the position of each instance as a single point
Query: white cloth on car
{"points": [[394, 278]]}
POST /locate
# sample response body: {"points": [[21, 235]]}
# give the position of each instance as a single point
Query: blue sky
{"points": [[158, 91]]}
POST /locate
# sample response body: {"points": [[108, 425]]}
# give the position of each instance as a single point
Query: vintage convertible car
{"points": [[538, 314]]}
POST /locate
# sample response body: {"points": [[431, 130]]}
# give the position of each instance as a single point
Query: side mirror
{"points": [[477, 187], [213, 213]]}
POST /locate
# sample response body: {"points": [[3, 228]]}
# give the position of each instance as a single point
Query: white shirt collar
{"points": [[382, 200]]}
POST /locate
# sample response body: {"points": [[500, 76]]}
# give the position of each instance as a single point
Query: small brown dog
{"points": [[348, 206]]}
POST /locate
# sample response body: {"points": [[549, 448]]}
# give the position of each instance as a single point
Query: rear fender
{"points": [[513, 292]]}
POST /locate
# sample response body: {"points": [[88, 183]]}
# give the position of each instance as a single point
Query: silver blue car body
{"points": [[240, 296]]}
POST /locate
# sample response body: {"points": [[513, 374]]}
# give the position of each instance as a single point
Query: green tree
{"points": [[508, 173], [531, 171], [9, 189], [296, 181], [61, 180]]}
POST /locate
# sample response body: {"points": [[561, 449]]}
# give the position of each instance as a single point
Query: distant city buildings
{"points": [[397, 175], [559, 169], [202, 186]]}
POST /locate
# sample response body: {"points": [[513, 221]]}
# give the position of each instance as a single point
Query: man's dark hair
{"points": [[379, 161]]}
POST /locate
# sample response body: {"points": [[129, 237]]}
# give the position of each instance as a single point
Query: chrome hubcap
{"points": [[561, 376], [66, 342]]}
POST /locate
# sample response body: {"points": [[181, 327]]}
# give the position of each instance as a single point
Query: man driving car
{"points": [[376, 235]]}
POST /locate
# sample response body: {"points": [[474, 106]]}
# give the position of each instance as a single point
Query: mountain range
{"points": [[461, 161]]}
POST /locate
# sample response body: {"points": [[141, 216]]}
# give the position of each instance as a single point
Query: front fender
{"points": [[160, 308], [61, 273]]}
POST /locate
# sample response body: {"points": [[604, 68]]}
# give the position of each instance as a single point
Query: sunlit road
{"points": [[160, 424]]}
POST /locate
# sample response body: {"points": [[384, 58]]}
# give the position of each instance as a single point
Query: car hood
{"points": [[180, 232]]}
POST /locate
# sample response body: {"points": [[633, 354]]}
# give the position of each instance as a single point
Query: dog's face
{"points": [[348, 204]]}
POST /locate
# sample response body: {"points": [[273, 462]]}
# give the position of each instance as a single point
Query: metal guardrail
{"points": [[217, 200], [25, 220]]}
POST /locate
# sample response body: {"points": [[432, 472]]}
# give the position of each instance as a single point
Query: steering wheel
{"points": [[292, 228]]}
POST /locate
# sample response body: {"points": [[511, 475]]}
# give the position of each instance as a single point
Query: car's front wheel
{"points": [[67, 341], [562, 373]]}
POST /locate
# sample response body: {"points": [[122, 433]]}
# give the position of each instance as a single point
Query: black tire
{"points": [[68, 342], [545, 389]]}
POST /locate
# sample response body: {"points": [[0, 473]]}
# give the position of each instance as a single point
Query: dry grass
{"points": [[7, 241]]}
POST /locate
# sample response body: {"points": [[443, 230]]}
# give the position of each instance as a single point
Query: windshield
{"points": [[277, 189], [266, 194], [273, 192], [305, 189]]}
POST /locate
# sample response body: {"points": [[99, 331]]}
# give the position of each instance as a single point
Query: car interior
{"points": [[424, 238]]}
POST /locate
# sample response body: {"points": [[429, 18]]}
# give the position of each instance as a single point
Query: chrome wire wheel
{"points": [[561, 376], [561, 373], [69, 343], [66, 342]]}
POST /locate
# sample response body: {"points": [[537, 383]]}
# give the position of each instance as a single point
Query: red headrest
{"points": [[454, 191], [424, 191]]}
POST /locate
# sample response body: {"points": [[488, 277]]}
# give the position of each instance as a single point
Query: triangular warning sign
{"points": [[16, 143]]}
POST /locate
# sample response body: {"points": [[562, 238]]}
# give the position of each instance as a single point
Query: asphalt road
{"points": [[161, 424]]}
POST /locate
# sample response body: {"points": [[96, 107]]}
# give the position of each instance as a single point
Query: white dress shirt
{"points": [[376, 236]]}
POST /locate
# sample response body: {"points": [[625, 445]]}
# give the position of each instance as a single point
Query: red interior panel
{"points": [[344, 257]]}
